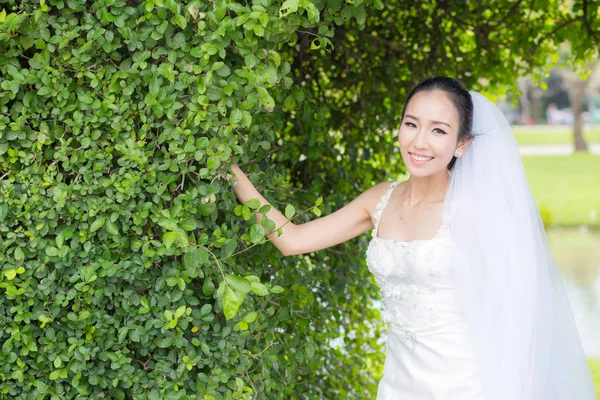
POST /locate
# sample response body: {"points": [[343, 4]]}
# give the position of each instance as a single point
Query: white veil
{"points": [[519, 318]]}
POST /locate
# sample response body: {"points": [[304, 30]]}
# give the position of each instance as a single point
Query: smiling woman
{"points": [[438, 116]]}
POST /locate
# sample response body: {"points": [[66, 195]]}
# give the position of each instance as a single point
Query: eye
{"points": [[438, 130], [410, 124]]}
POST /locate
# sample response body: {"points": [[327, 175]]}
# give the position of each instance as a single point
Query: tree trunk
{"points": [[577, 96], [524, 103]]}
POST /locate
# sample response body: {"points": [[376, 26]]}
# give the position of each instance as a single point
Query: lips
{"points": [[420, 158]]}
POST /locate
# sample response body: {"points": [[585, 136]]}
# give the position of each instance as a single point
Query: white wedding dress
{"points": [[429, 356]]}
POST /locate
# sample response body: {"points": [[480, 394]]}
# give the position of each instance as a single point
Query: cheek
{"points": [[446, 148], [404, 138]]}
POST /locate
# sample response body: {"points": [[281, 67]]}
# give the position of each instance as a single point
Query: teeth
{"points": [[418, 158]]}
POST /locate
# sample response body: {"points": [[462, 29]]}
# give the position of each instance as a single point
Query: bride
{"points": [[472, 293]]}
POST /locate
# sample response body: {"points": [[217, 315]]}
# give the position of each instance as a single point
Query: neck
{"points": [[426, 190]]}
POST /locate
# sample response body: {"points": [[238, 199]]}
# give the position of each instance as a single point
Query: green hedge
{"points": [[125, 256], [128, 269]]}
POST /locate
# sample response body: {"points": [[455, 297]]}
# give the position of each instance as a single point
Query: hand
{"points": [[236, 170]]}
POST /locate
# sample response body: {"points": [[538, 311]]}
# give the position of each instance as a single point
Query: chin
{"points": [[431, 170], [420, 173]]}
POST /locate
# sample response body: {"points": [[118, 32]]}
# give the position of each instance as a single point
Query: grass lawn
{"points": [[566, 188], [543, 134]]}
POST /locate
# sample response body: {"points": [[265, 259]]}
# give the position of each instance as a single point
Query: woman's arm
{"points": [[340, 226]]}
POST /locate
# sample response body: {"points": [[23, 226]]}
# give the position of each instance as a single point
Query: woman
{"points": [[471, 290]]}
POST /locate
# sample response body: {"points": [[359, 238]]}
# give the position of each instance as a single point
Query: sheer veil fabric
{"points": [[519, 319]]}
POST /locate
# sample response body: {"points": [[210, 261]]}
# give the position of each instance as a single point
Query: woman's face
{"points": [[428, 133]]}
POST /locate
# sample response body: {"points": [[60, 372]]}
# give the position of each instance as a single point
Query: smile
{"points": [[420, 159]]}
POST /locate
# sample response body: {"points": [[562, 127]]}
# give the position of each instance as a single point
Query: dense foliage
{"points": [[127, 267]]}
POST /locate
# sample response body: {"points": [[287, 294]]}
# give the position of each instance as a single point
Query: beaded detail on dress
{"points": [[428, 352], [407, 274]]}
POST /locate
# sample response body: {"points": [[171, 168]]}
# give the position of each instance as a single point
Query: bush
{"points": [[128, 268], [123, 273]]}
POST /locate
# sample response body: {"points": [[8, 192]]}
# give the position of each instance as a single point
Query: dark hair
{"points": [[460, 97]]}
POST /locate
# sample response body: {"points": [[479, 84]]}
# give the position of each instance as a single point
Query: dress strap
{"points": [[381, 205]]}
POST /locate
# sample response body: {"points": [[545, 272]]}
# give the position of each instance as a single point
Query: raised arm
{"points": [[337, 227]]}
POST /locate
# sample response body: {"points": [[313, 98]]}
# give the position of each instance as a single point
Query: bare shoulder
{"points": [[373, 195]]}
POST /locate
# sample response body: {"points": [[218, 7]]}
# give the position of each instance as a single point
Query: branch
{"points": [[588, 27], [553, 32], [530, 10], [510, 12]]}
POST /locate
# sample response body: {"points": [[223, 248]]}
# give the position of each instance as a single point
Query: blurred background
{"points": [[556, 121]]}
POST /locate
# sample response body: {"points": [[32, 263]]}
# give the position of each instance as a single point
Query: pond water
{"points": [[577, 253]]}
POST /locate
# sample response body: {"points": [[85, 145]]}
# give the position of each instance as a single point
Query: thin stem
{"points": [[268, 240]]}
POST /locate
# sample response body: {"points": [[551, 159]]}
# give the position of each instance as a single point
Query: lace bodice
{"points": [[415, 279]]}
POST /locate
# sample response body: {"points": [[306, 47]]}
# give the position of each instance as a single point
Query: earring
{"points": [[457, 153]]}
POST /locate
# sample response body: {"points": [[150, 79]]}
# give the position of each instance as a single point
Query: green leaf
{"points": [[201, 255], [189, 259], [229, 247], [164, 342], [265, 209], [205, 310], [259, 289], [236, 116], [3, 209], [319, 201], [188, 225], [10, 274], [290, 210], [238, 283], [58, 373], [180, 21], [180, 311], [150, 100], [265, 99], [60, 239], [250, 317], [253, 204], [19, 255], [231, 303], [288, 7], [246, 118], [224, 71], [193, 259], [257, 233], [208, 287], [310, 351], [169, 238], [111, 227], [97, 224], [52, 251], [313, 12], [246, 212], [277, 289]]}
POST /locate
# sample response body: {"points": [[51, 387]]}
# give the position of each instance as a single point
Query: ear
{"points": [[462, 146]]}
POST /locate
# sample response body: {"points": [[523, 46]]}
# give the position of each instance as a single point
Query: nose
{"points": [[420, 141]]}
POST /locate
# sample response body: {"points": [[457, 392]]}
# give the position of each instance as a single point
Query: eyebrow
{"points": [[435, 122]]}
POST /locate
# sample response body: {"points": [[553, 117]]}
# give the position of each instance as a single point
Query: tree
{"points": [[128, 268], [577, 96]]}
